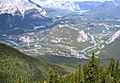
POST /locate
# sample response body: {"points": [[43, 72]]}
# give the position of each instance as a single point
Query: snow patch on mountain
{"points": [[114, 37], [19, 6]]}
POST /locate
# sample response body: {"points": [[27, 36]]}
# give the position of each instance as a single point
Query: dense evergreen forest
{"points": [[91, 72], [16, 67]]}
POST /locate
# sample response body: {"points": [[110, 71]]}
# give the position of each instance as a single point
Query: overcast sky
{"points": [[86, 0]]}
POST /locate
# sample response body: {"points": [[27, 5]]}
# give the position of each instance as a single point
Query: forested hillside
{"points": [[16, 67]]}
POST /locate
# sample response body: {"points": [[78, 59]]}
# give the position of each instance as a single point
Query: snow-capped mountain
{"points": [[58, 4], [19, 7], [114, 37]]}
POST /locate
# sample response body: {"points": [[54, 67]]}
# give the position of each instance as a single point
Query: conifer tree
{"points": [[93, 71], [51, 76], [81, 74], [111, 67]]}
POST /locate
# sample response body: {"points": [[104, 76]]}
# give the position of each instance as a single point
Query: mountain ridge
{"points": [[65, 5]]}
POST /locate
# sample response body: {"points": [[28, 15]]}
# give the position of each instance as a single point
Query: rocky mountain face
{"points": [[19, 6], [19, 16]]}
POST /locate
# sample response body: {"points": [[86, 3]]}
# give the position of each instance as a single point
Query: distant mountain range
{"points": [[107, 10], [66, 5], [22, 6], [89, 5]]}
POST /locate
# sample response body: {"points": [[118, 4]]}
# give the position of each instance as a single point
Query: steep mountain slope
{"points": [[18, 67]]}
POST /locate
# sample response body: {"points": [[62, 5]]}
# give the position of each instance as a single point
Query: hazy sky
{"points": [[86, 0]]}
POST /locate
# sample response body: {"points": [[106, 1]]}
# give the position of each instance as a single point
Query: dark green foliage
{"points": [[13, 66], [16, 67]]}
